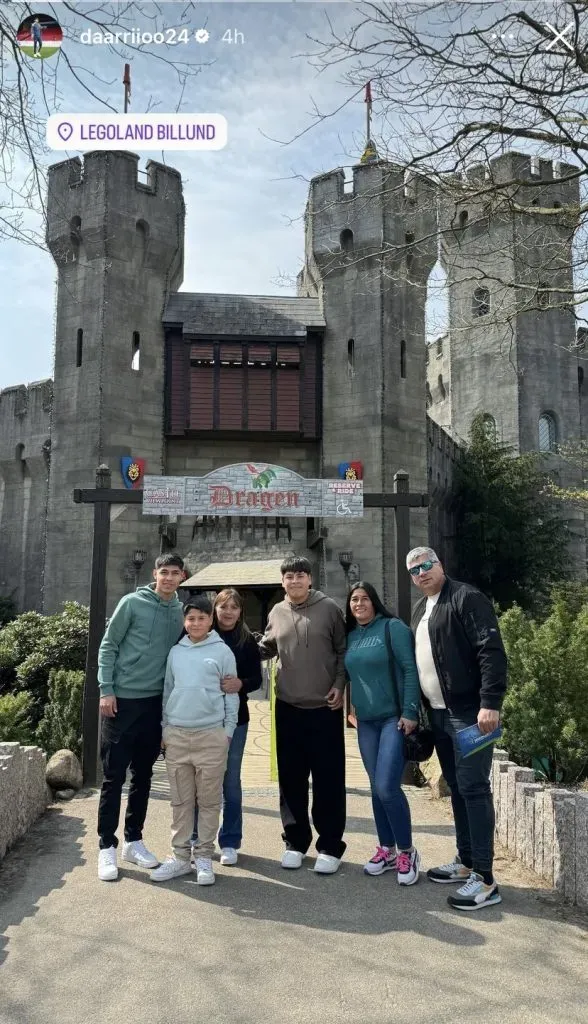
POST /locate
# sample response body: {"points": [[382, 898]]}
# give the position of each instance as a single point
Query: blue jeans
{"points": [[381, 745], [231, 830], [469, 781]]}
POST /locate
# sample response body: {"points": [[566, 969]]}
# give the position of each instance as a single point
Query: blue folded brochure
{"points": [[470, 740]]}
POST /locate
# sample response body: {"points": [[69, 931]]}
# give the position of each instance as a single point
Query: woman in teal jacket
{"points": [[385, 694]]}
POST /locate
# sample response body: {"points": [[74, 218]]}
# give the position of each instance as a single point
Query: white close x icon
{"points": [[559, 36]]}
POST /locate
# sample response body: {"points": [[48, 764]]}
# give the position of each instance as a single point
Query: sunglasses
{"points": [[416, 569]]}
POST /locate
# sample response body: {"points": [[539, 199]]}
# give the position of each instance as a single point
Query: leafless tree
{"points": [[31, 90], [455, 87]]}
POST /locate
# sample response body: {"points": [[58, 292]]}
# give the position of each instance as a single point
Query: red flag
{"points": [[368, 92]]}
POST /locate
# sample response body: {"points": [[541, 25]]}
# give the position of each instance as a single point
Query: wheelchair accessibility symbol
{"points": [[343, 508]]}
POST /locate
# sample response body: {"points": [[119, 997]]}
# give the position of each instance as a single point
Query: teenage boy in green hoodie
{"points": [[307, 632], [131, 669]]}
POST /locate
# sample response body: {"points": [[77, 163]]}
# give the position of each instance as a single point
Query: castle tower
{"points": [[511, 354], [369, 252], [118, 245]]}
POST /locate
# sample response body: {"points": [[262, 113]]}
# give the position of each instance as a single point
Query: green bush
{"points": [[544, 714], [61, 725], [15, 725], [32, 645]]}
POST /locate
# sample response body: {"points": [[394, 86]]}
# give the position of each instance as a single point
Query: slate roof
{"points": [[237, 574], [243, 314]]}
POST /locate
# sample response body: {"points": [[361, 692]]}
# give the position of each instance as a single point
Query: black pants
{"points": [[132, 739], [309, 742], [469, 781]]}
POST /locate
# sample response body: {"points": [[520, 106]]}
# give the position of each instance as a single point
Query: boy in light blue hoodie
{"points": [[198, 722]]}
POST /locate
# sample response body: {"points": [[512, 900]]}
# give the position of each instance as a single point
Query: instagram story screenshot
{"points": [[293, 511]]}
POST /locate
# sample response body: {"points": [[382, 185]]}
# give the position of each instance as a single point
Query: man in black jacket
{"points": [[462, 671]]}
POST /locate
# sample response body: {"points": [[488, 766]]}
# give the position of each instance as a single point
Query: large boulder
{"points": [[64, 771]]}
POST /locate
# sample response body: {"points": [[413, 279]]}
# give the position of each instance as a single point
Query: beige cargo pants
{"points": [[196, 760]]}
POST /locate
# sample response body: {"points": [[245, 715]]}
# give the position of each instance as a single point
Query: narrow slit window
{"points": [[403, 359], [79, 347], [136, 359], [351, 357]]}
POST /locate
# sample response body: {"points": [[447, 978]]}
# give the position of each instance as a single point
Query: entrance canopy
{"points": [[237, 574]]}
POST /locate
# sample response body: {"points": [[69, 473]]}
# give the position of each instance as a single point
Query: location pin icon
{"points": [[65, 130]]}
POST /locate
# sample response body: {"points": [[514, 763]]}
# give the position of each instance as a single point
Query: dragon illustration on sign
{"points": [[261, 478]]}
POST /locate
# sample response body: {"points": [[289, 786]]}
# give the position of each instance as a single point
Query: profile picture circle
{"points": [[39, 36]]}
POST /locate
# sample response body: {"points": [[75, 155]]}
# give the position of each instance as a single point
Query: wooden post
{"points": [[402, 516], [90, 716]]}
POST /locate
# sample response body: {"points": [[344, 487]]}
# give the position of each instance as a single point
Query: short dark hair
{"points": [[198, 603], [372, 593], [296, 563], [169, 560]]}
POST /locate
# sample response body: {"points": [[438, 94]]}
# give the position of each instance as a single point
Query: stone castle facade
{"points": [[193, 382]]}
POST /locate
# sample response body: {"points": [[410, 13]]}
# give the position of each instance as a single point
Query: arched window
{"points": [[543, 296], [547, 433], [136, 350], [441, 386], [351, 357], [481, 302], [429, 396], [580, 378], [79, 347], [346, 240], [403, 358], [463, 218], [489, 425]]}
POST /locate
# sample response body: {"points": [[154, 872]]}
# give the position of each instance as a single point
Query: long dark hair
{"points": [[241, 629], [372, 593]]}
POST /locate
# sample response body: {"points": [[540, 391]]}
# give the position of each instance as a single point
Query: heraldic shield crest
{"points": [[132, 471]]}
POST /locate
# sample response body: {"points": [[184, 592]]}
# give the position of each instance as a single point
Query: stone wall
{"points": [[24, 794], [544, 827]]}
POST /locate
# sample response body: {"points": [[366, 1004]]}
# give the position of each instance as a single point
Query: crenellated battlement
{"points": [[25, 409], [106, 207]]}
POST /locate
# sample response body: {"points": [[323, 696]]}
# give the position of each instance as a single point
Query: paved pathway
{"points": [[265, 946]]}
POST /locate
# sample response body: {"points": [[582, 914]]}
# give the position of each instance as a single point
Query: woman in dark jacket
{"points": [[229, 624]]}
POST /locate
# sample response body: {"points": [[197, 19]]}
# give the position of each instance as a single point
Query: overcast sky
{"points": [[244, 227]]}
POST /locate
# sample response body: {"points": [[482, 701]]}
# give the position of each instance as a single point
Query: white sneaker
{"points": [[172, 867], [229, 856], [107, 869], [408, 866], [137, 853], [204, 872], [326, 865], [292, 859]]}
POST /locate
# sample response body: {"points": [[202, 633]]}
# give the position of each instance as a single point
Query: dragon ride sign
{"points": [[246, 490]]}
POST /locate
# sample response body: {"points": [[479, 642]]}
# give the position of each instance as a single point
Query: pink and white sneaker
{"points": [[384, 859], [408, 865]]}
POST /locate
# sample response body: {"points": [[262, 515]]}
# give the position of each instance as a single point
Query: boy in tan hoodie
{"points": [[307, 632]]}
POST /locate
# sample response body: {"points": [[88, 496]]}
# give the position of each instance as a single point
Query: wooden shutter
{"points": [[201, 397], [288, 399], [177, 385], [230, 397], [259, 399]]}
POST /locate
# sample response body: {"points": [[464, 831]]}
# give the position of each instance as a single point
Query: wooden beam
{"points": [[402, 516], [110, 495], [399, 500], [91, 699]]}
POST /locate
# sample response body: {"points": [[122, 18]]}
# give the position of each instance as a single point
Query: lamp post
{"points": [[139, 559], [345, 561]]}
